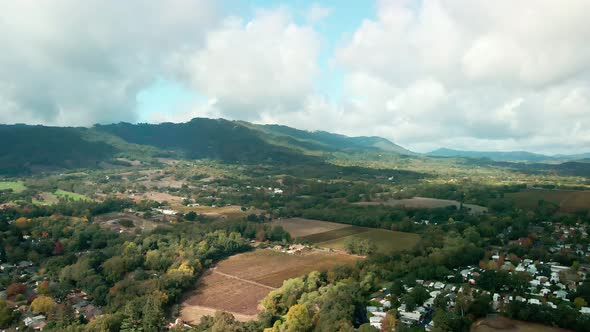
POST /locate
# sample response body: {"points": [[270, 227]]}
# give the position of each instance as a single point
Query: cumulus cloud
{"points": [[266, 64], [491, 74], [317, 13], [69, 62]]}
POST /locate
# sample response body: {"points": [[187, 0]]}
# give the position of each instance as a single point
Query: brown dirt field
{"points": [[271, 267], [503, 324], [158, 197], [239, 283], [300, 227], [192, 314], [218, 292]]}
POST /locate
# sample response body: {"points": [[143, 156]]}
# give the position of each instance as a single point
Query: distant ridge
{"points": [[518, 156]]}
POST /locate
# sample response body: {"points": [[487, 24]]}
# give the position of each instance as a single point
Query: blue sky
{"points": [[344, 18], [463, 74]]}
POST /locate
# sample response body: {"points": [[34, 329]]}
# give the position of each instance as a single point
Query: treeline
{"points": [[137, 279]]}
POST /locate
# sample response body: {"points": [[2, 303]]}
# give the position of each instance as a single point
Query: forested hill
{"points": [[27, 149]]}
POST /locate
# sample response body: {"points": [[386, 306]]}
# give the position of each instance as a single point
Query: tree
{"points": [[7, 315], [580, 302], [153, 316], [42, 304], [297, 319], [16, 288], [114, 268], [389, 323], [191, 216]]}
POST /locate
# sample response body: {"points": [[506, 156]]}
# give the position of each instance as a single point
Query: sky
{"points": [[466, 74]]}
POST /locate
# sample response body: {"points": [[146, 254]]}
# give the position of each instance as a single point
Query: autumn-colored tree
{"points": [[389, 322], [43, 288], [42, 304], [16, 288], [22, 222], [58, 249]]}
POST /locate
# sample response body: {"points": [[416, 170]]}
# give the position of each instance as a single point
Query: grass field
{"points": [[239, 283], [333, 235], [502, 324], [385, 241], [567, 200], [425, 203], [70, 195], [16, 186]]}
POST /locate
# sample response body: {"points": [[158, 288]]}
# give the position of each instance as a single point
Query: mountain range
{"points": [[513, 156], [29, 149]]}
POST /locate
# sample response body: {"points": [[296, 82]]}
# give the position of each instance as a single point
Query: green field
{"points": [[70, 195], [385, 241], [566, 200], [334, 234], [16, 186]]}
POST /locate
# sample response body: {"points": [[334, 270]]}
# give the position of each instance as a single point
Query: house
{"points": [[439, 285], [6, 267], [410, 318], [534, 301], [585, 310], [35, 323], [560, 294]]}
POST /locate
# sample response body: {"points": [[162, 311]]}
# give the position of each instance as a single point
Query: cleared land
{"points": [[16, 186], [111, 220], [300, 227], [503, 324], [239, 283], [567, 200], [426, 203]]}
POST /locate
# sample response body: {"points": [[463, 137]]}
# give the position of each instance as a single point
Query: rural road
{"points": [[244, 280]]}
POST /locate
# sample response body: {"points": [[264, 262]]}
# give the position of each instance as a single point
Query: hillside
{"points": [[32, 149]]}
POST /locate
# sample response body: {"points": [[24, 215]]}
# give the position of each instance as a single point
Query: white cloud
{"points": [[266, 64], [317, 13], [70, 62], [501, 74]]}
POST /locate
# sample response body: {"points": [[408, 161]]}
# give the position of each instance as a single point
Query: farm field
{"points": [[425, 203], [16, 186], [300, 227], [385, 241], [502, 324], [334, 235], [567, 200], [239, 283]]}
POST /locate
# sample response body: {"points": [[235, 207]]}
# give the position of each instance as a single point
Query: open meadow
{"points": [[567, 200], [239, 283], [502, 324], [16, 186]]}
